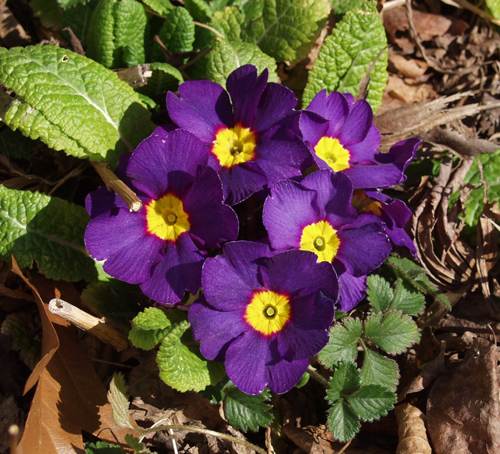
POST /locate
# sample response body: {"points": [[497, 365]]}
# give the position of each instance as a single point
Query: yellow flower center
{"points": [[166, 218], [233, 146], [333, 153], [268, 312], [322, 239], [364, 204]]}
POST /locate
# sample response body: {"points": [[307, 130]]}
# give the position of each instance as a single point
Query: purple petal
{"points": [[246, 362], [284, 375], [228, 280], [201, 108], [246, 89], [297, 274], [276, 103], [366, 149], [333, 194], [178, 271], [313, 127], [101, 238], [203, 202], [307, 332], [166, 162], [102, 201], [363, 249], [133, 262], [287, 210], [333, 107], [281, 159], [357, 124], [351, 290], [203, 319], [373, 176], [241, 181]]}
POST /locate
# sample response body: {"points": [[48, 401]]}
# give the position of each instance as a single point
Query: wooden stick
{"points": [[113, 183], [13, 438], [87, 322]]}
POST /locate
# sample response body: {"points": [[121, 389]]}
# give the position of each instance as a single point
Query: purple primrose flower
{"points": [[251, 129], [317, 215], [341, 137], [265, 315], [162, 247]]}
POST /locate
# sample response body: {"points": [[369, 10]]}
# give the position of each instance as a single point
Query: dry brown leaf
{"points": [[411, 431], [12, 32], [69, 396], [427, 25], [463, 409], [408, 67]]}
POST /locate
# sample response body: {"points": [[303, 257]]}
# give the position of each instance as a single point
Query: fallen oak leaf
{"points": [[411, 431], [69, 396]]}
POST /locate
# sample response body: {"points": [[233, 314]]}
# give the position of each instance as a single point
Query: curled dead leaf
{"points": [[411, 431]]}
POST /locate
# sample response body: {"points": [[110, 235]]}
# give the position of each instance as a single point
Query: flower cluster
{"points": [[267, 299]]}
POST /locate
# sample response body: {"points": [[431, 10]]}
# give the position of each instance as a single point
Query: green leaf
{"points": [[342, 344], [177, 32], [379, 293], [371, 402], [342, 6], [71, 3], [181, 365], [102, 447], [494, 8], [199, 9], [244, 412], [229, 22], [113, 299], [226, 56], [117, 397], [70, 102], [149, 327], [474, 205], [356, 48], [160, 7], [406, 301], [379, 370], [163, 77], [393, 332], [342, 421], [284, 29], [117, 32], [415, 276], [47, 230], [345, 380]]}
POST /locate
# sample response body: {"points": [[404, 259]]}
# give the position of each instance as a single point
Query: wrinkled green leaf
{"points": [[47, 230], [494, 8], [70, 102], [102, 447], [342, 6], [379, 293], [149, 327], [177, 32], [371, 402], [181, 365], [356, 48], [160, 7], [120, 40], [379, 370], [284, 29], [342, 421], [244, 412], [342, 344], [228, 22], [71, 3], [393, 332], [225, 57], [199, 9]]}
